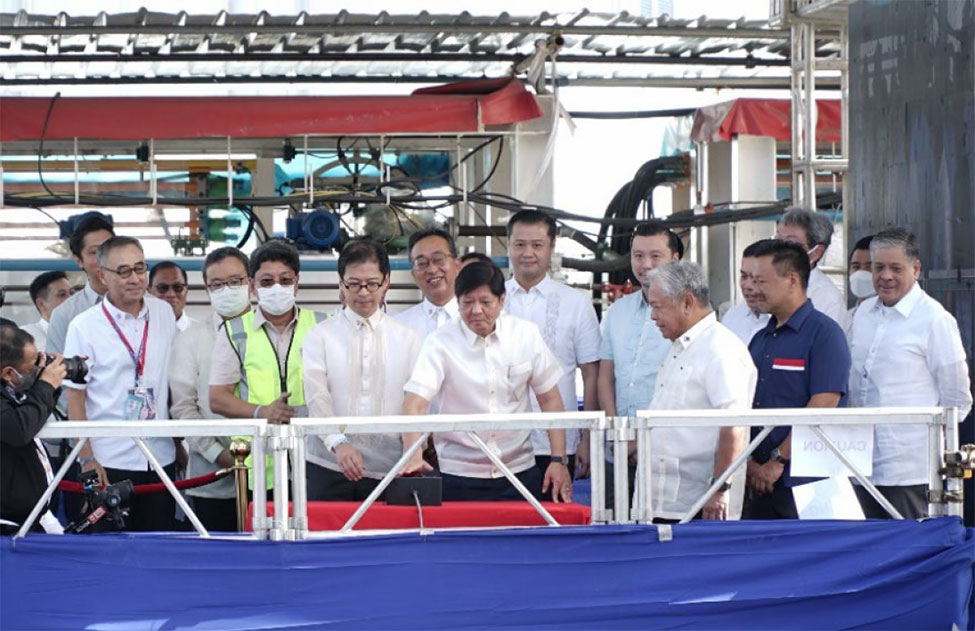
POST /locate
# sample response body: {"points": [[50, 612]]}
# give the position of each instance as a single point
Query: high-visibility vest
{"points": [[261, 379]]}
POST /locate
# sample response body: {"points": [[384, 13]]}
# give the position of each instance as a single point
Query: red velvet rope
{"points": [[158, 487]]}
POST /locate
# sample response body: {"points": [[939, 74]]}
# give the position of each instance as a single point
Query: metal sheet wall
{"points": [[912, 144]]}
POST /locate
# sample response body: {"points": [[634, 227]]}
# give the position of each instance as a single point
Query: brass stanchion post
{"points": [[240, 449]]}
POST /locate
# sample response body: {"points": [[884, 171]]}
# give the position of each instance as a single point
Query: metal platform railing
{"points": [[286, 446], [138, 430]]}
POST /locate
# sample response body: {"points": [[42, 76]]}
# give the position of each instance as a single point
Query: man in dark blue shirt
{"points": [[803, 361]]}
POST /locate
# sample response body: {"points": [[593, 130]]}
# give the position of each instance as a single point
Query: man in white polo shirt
{"points": [[707, 368], [907, 352], [356, 364], [127, 339], [744, 319], [487, 363], [564, 316], [225, 277], [433, 259], [47, 292]]}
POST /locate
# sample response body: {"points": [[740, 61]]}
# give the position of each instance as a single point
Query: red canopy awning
{"points": [[460, 107], [761, 117]]}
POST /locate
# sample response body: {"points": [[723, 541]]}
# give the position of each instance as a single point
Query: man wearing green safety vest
{"points": [[256, 363]]}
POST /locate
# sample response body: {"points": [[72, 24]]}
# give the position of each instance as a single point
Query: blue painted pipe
{"points": [[194, 264]]}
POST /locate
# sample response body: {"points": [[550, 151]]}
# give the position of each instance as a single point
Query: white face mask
{"points": [[276, 300], [861, 284], [230, 301]]}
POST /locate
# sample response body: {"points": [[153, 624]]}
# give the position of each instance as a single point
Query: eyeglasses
{"points": [[439, 259], [233, 282], [125, 271], [178, 288], [284, 281], [355, 286]]}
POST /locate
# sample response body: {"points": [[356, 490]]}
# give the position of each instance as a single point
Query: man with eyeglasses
{"points": [[356, 364], [127, 338], [256, 368], [167, 281], [225, 277], [814, 232], [433, 259]]}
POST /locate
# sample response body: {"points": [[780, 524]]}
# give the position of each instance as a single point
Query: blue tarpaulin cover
{"points": [[737, 575]]}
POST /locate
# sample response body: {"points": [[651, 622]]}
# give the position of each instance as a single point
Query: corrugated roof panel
{"points": [[463, 38]]}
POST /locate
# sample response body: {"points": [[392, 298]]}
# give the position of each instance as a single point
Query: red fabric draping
{"points": [[461, 107], [761, 117], [333, 515]]}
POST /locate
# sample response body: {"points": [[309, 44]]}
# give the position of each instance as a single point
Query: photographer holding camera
{"points": [[30, 386]]}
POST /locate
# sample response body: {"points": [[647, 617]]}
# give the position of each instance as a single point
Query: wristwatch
{"points": [[341, 441], [724, 488], [558, 459], [777, 456]]}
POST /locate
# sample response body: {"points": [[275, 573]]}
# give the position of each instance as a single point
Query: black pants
{"points": [[910, 501], [664, 520], [779, 504], [542, 462], [332, 486], [147, 513], [217, 515], [70, 502], [611, 483], [463, 489]]}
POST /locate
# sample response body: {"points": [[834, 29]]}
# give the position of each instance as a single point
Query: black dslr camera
{"points": [[75, 368], [106, 509]]}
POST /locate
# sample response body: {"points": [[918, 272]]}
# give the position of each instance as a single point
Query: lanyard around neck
{"points": [[138, 359]]}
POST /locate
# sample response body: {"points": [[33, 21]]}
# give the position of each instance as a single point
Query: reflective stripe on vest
{"points": [[259, 383], [260, 368]]}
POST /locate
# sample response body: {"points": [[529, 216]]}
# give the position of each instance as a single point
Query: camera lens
{"points": [[75, 369]]}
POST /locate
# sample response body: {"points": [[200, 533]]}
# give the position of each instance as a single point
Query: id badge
{"points": [[140, 404]]}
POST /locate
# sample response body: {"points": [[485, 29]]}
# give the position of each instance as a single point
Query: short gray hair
{"points": [[680, 277], [818, 227], [113, 244], [896, 238]]}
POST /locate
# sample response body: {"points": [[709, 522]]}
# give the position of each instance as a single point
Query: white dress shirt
{"points": [[427, 317], [64, 313], [906, 355], [744, 322], [184, 322], [353, 366], [473, 374], [189, 388], [38, 331], [826, 297], [567, 321], [707, 368], [111, 374]]}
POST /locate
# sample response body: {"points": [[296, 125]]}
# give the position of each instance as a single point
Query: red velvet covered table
{"points": [[333, 515]]}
